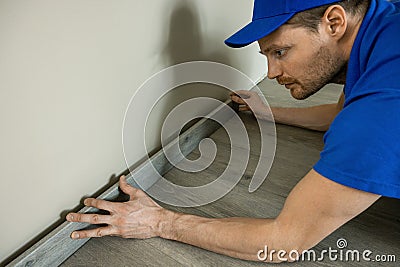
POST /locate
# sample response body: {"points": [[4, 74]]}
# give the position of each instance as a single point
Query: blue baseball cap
{"points": [[269, 15]]}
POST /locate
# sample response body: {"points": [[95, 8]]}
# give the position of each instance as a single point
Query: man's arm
{"points": [[315, 118], [314, 209]]}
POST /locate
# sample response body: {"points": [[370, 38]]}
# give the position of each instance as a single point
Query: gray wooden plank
{"points": [[111, 250]]}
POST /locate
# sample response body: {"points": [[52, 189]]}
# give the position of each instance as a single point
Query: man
{"points": [[308, 44]]}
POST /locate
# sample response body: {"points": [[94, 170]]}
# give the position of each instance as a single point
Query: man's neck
{"points": [[340, 77]]}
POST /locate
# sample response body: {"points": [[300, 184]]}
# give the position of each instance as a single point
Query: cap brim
{"points": [[256, 30]]}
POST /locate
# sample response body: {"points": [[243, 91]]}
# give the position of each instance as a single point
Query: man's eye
{"points": [[280, 53]]}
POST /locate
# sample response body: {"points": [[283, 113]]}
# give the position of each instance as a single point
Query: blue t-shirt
{"points": [[362, 146]]}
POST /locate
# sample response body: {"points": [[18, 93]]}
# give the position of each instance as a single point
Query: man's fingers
{"points": [[242, 94], [88, 218], [127, 188], [238, 100], [244, 108], [98, 232], [100, 204]]}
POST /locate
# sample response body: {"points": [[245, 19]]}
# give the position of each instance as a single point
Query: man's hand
{"points": [[315, 118], [139, 217], [251, 101]]}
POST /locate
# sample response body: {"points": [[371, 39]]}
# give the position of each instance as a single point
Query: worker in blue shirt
{"points": [[308, 44]]}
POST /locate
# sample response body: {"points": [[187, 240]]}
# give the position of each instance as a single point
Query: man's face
{"points": [[302, 60]]}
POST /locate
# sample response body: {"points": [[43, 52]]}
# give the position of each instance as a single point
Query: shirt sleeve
{"points": [[362, 146]]}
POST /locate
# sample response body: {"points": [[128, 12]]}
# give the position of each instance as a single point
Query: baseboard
{"points": [[57, 246]]}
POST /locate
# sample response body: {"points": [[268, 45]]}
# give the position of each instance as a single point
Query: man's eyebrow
{"points": [[269, 48]]}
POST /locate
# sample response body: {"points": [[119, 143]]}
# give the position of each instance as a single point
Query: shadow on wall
{"points": [[185, 41]]}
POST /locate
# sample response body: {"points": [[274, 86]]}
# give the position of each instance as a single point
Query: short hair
{"points": [[311, 18]]}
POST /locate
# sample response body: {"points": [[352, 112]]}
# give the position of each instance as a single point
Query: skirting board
{"points": [[57, 246]]}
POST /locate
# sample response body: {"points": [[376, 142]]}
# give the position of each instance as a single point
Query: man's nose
{"points": [[274, 70]]}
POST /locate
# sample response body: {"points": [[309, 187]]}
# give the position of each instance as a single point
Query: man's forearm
{"points": [[235, 237], [315, 118], [314, 208]]}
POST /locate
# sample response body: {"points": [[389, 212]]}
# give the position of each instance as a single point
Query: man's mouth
{"points": [[289, 85]]}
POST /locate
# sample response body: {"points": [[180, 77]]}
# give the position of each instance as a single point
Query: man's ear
{"points": [[334, 21]]}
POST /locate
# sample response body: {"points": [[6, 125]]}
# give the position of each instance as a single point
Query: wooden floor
{"points": [[377, 229]]}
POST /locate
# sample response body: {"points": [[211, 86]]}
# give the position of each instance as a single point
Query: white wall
{"points": [[68, 69]]}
